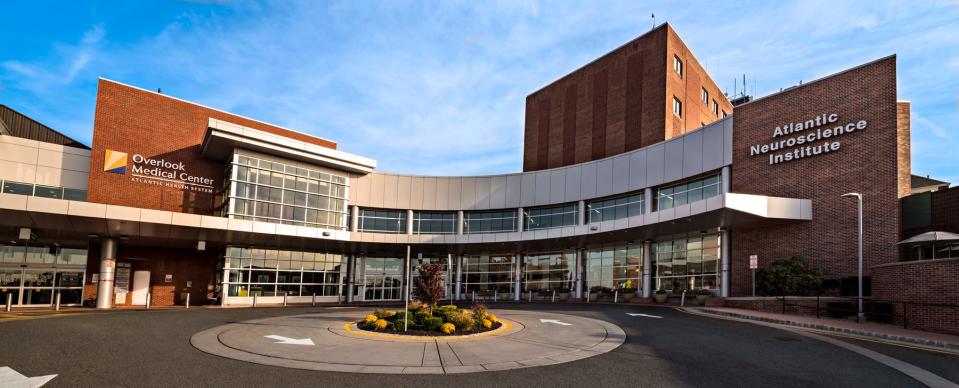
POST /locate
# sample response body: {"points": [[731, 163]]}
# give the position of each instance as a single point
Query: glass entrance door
{"points": [[38, 287], [10, 284], [383, 278]]}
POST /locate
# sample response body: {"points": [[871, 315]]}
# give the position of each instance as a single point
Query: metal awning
{"points": [[931, 238]]}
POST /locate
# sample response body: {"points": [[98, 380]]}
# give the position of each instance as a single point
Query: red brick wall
{"points": [[904, 125], [136, 121], [184, 264], [930, 282], [620, 102], [866, 163]]}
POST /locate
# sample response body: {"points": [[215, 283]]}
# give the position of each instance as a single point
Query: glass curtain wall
{"points": [[382, 221], [550, 217], [614, 268], [434, 222], [270, 272], [549, 271], [489, 221], [484, 274], [447, 290], [668, 197], [383, 278], [268, 191], [33, 275], [615, 208], [688, 263]]}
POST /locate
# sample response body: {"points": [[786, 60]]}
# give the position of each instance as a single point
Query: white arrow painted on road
{"points": [[12, 378], [556, 321], [290, 341], [643, 315]]}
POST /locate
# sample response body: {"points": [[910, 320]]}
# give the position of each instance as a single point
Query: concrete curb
{"points": [[948, 346]]}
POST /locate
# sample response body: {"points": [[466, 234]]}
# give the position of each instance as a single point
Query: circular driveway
{"points": [[325, 341]]}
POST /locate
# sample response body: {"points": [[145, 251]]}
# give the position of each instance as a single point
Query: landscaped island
{"points": [[438, 321]]}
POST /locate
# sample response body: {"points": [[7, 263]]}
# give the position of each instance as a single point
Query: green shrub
{"points": [[383, 314], [479, 311], [462, 319], [432, 323], [445, 311], [789, 277], [420, 316]]}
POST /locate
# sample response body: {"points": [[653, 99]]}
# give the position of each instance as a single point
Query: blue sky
{"points": [[439, 87]]}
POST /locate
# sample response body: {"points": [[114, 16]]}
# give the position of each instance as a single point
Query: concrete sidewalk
{"points": [[864, 330]]}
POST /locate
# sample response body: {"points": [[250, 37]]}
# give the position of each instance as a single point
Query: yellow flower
{"points": [[448, 328], [492, 318], [390, 313], [380, 324], [487, 324], [370, 318]]}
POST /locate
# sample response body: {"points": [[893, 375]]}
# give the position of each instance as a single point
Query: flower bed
{"points": [[425, 321]]}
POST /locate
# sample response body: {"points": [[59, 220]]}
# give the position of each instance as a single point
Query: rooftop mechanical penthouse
{"points": [[639, 176]]}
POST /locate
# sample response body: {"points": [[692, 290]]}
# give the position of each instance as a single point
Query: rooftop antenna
{"points": [[159, 91], [653, 15]]}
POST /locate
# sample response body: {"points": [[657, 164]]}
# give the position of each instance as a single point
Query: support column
{"points": [[108, 263], [519, 220], [459, 277], [724, 260], [726, 179], [648, 200], [580, 261], [350, 269], [517, 281], [409, 222], [459, 222], [355, 218], [647, 269], [581, 216]]}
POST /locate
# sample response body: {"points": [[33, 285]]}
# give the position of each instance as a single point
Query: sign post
{"points": [[753, 264]]}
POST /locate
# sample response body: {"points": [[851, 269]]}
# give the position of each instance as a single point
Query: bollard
{"points": [[284, 299], [554, 297], [616, 296], [254, 300], [474, 296], [682, 300], [9, 302], [148, 300], [495, 295], [313, 303], [57, 303], [188, 300], [530, 296]]}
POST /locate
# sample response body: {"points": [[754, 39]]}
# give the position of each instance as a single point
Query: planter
{"points": [[661, 298], [626, 296], [593, 296], [701, 299], [564, 296]]}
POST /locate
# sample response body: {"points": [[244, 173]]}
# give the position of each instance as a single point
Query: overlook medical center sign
{"points": [[815, 136], [155, 171]]}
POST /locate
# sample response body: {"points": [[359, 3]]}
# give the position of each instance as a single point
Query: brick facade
{"points": [[137, 121], [866, 162], [929, 290], [619, 102]]}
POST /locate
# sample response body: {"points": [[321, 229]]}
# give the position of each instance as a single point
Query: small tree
{"points": [[789, 277], [429, 284]]}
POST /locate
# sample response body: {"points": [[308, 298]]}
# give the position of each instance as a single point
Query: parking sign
{"points": [[753, 261]]}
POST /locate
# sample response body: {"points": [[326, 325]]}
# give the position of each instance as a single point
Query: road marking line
{"points": [[290, 341], [555, 321], [11, 378], [643, 315]]}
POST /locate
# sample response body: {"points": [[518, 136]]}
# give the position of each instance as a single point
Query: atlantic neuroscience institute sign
{"points": [[803, 139], [160, 172]]}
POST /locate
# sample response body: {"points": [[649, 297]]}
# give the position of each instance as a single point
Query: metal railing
{"points": [[874, 310]]}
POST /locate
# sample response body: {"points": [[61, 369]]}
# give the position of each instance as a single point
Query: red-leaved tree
{"points": [[429, 284]]}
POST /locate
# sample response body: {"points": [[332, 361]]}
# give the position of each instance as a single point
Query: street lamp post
{"points": [[858, 244]]}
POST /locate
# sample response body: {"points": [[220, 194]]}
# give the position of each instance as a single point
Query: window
{"points": [[687, 192], [614, 268], [17, 188], [615, 208], [724, 114], [56, 192], [687, 263], [382, 221], [548, 272], [434, 222], [677, 107], [268, 272], [489, 221], [678, 66], [75, 195], [550, 217], [705, 97], [488, 274], [383, 278], [716, 108], [268, 191]]}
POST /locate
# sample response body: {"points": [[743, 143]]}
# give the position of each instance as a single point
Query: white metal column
{"points": [[580, 261], [647, 200], [581, 215], [647, 269], [409, 222], [459, 277], [724, 260], [726, 179], [108, 262], [459, 222], [518, 282], [350, 274], [519, 220], [355, 219]]}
